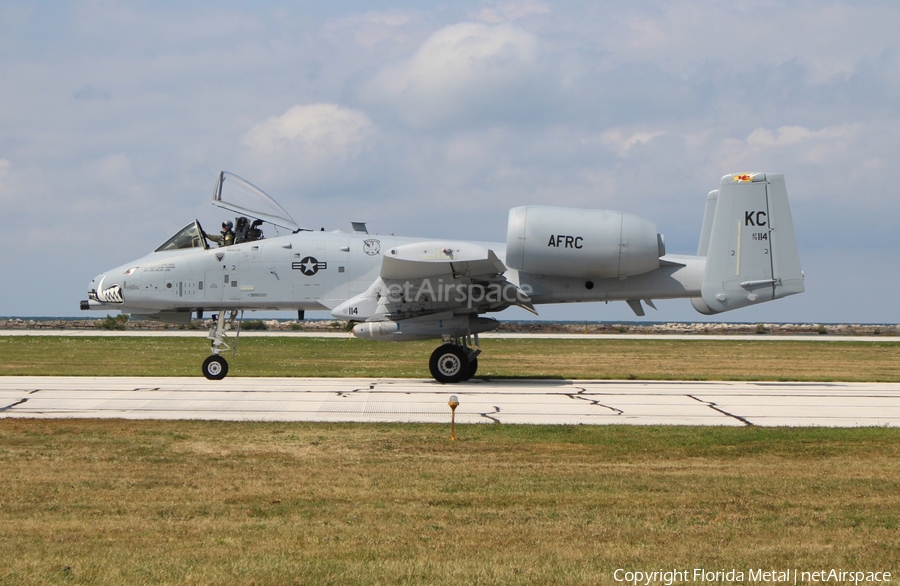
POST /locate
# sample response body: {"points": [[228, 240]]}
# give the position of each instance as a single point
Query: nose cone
{"points": [[93, 300], [101, 292]]}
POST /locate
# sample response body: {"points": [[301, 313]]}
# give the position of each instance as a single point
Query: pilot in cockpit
{"points": [[226, 238]]}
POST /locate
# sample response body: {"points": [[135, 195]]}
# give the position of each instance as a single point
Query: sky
{"points": [[433, 119]]}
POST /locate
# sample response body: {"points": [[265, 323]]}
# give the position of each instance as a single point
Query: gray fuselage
{"points": [[320, 270]]}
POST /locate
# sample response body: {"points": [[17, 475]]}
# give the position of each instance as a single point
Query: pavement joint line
{"points": [[599, 404], [494, 419], [715, 407], [11, 405], [594, 402]]}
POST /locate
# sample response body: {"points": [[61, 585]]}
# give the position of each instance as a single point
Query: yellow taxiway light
{"points": [[454, 403]]}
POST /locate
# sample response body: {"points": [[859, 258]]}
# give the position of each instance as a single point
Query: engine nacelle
{"points": [[572, 242]]}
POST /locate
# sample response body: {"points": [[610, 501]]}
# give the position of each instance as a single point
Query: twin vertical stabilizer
{"points": [[749, 243]]}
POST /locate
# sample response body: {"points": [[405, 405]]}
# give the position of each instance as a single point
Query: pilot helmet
{"points": [[227, 225]]}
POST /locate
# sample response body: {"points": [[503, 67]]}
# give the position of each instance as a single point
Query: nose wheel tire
{"points": [[449, 364], [215, 367]]}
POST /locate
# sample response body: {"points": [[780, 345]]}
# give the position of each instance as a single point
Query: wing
{"points": [[434, 277]]}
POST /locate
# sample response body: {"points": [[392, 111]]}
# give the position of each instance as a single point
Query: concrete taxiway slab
{"points": [[485, 336], [481, 401]]}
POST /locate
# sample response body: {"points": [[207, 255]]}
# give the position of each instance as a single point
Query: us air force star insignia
{"points": [[309, 266], [372, 247]]}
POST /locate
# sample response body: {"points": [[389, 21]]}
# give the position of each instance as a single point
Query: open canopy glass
{"points": [[243, 198]]}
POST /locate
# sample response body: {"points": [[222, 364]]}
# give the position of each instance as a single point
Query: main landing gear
{"points": [[455, 361], [215, 367]]}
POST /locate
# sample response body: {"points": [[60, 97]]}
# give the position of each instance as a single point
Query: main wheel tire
{"points": [[449, 364], [215, 367], [473, 368]]}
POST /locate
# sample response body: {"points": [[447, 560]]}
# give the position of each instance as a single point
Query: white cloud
{"points": [[113, 169], [622, 142], [498, 12], [828, 38], [623, 105], [462, 73], [108, 183], [375, 17], [791, 145], [309, 143], [25, 191], [5, 166], [792, 135], [371, 28], [183, 24]]}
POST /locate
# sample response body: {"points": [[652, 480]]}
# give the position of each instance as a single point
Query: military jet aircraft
{"points": [[398, 288]]}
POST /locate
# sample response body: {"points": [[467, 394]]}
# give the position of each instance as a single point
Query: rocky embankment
{"points": [[119, 323]]}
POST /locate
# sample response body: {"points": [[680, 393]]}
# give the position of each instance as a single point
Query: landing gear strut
{"points": [[455, 361], [215, 367]]}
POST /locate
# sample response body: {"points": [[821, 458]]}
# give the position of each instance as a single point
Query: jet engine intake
{"points": [[572, 242]]}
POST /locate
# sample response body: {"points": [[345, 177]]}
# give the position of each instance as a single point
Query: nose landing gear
{"points": [[215, 367]]}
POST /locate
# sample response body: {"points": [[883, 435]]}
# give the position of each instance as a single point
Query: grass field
{"points": [[162, 502], [742, 358], [151, 502]]}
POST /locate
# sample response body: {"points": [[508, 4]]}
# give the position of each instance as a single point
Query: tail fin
{"points": [[748, 238], [708, 215]]}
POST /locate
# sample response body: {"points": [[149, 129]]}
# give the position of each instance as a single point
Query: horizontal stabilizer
{"points": [[637, 308]]}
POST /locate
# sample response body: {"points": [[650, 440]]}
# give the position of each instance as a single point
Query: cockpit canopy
{"points": [[245, 199], [242, 197], [191, 236]]}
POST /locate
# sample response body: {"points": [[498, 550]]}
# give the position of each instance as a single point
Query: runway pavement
{"points": [[481, 401], [485, 336]]}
